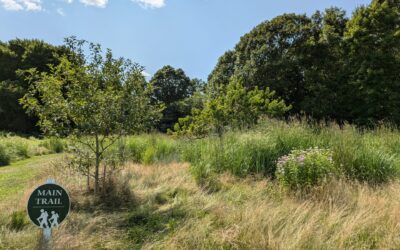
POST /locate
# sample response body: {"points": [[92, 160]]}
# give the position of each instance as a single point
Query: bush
{"points": [[366, 164], [4, 157], [303, 169], [205, 178], [21, 150], [239, 154], [152, 149], [54, 145], [167, 150], [18, 220]]}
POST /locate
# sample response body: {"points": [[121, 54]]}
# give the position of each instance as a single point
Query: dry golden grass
{"points": [[251, 213], [255, 214]]}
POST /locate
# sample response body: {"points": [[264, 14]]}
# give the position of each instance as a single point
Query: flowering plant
{"points": [[302, 169]]}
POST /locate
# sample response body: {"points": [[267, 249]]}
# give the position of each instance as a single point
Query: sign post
{"points": [[48, 206]]}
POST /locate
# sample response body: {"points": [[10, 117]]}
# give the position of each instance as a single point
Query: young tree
{"points": [[237, 108], [95, 103]]}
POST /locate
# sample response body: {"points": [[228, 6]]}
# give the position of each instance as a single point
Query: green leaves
{"points": [[234, 108], [16, 56], [328, 67], [373, 62], [106, 96], [94, 101], [172, 88]]}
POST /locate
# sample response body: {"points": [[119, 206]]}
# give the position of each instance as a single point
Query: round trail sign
{"points": [[48, 205]]}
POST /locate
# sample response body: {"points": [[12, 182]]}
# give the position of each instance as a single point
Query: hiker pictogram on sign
{"points": [[48, 205]]}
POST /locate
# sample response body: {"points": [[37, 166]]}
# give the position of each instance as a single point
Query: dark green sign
{"points": [[48, 205]]}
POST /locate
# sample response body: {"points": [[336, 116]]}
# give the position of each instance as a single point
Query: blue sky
{"points": [[189, 34]]}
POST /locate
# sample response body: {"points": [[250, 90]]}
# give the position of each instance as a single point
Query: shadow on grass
{"points": [[149, 223]]}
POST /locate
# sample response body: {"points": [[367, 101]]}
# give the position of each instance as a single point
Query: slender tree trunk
{"points": [[96, 174], [104, 177], [88, 180]]}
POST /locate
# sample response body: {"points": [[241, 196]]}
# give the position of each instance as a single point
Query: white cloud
{"points": [[97, 3], [60, 11], [15, 5], [11, 5], [150, 3], [36, 5]]}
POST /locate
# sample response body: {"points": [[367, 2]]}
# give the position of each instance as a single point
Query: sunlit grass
{"points": [[15, 148], [13, 178]]}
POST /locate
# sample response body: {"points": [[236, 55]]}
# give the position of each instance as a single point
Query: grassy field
{"points": [[222, 193], [13, 178], [168, 210]]}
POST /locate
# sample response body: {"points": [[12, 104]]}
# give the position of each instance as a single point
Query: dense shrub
{"points": [[21, 150], [117, 192], [303, 169], [241, 154], [4, 157], [149, 155], [55, 145]]}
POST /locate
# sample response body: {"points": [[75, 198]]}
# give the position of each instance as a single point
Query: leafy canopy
{"points": [[18, 55], [173, 88], [106, 96]]}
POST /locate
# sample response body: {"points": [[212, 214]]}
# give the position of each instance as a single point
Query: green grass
{"points": [[14, 178], [369, 156], [15, 148]]}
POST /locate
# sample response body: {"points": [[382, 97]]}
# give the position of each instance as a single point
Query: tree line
{"points": [[327, 66], [20, 58], [324, 67]]}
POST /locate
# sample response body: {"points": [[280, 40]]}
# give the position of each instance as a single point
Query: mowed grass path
{"points": [[15, 177]]}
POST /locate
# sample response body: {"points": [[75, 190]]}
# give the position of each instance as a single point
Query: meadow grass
{"points": [[15, 176], [15, 148], [170, 211], [239, 204], [365, 156]]}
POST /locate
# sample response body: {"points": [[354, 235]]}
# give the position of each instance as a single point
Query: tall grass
{"points": [[14, 148], [369, 156], [147, 149], [171, 212]]}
